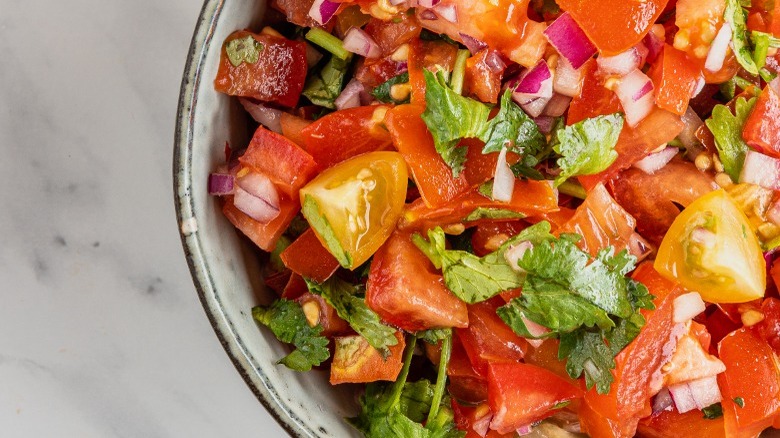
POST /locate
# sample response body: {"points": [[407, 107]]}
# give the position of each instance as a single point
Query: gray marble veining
{"points": [[101, 331]]}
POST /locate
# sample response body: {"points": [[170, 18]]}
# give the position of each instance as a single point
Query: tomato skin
{"points": [[354, 361], [278, 75], [594, 99], [546, 356], [614, 26], [287, 165], [465, 382], [617, 413], [308, 258], [671, 424], [520, 394], [295, 288], [480, 81], [769, 328], [601, 222], [344, 134], [427, 55], [263, 235], [489, 236], [480, 167], [675, 78], [431, 174], [292, 127], [752, 374], [488, 339], [405, 289], [651, 199], [762, 127], [389, 35]]}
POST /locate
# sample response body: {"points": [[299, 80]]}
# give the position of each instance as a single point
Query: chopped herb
{"points": [[587, 147], [492, 213], [288, 323], [713, 411], [739, 401], [727, 130], [382, 91], [459, 71], [324, 86], [350, 307], [512, 128], [735, 16], [328, 42], [242, 50], [573, 189], [434, 336], [486, 189], [274, 259]]}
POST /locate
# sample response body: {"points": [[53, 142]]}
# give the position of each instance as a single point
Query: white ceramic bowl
{"points": [[224, 267]]}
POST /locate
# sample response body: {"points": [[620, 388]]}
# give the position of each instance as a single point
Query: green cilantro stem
{"points": [[459, 71], [441, 379], [398, 386], [572, 188], [327, 42]]}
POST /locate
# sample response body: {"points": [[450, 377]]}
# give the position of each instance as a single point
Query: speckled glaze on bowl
{"points": [[224, 268]]}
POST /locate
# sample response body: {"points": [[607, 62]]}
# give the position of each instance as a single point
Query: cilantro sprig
{"points": [[727, 130], [288, 323], [587, 147]]}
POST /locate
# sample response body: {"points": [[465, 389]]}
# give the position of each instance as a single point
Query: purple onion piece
{"points": [[220, 184], [570, 40], [531, 81], [474, 45]]}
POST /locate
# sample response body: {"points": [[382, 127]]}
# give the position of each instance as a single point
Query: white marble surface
{"points": [[101, 330]]}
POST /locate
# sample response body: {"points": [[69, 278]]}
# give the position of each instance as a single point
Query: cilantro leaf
{"points": [[492, 213], [288, 323], [735, 16], [450, 117], [513, 128], [382, 91], [324, 86], [471, 278], [433, 336], [353, 309], [739, 401], [587, 147], [713, 411], [727, 130], [242, 50]]}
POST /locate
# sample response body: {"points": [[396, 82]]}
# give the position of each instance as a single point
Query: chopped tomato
{"points": [[480, 167], [276, 281], [594, 99], [601, 222], [653, 199], [405, 289], [657, 129], [431, 174], [391, 34], [557, 219], [287, 165], [488, 339], [675, 78], [354, 206], [263, 235], [431, 55], [482, 80], [671, 424], [471, 419], [318, 311], [530, 198], [308, 258], [489, 236], [762, 128], [344, 134], [354, 361], [614, 26], [372, 72], [546, 356], [617, 413], [520, 394], [296, 286], [277, 74], [752, 374], [769, 328], [465, 382], [292, 127], [699, 22]]}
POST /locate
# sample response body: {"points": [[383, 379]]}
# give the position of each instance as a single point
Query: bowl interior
{"points": [[225, 268]]}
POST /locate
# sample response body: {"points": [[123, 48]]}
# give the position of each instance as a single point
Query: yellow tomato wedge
{"points": [[712, 249], [353, 207]]}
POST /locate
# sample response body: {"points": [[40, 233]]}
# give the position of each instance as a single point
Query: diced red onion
{"points": [[397, 2], [401, 67], [428, 15], [683, 398], [557, 105], [655, 161], [635, 91], [570, 40], [313, 55], [482, 424], [769, 258], [428, 3], [638, 247], [534, 89], [662, 401], [474, 45], [686, 306], [359, 42], [256, 196], [536, 330], [719, 48], [762, 170], [773, 213], [494, 62], [350, 96], [705, 391], [654, 45], [535, 107], [515, 252], [620, 64], [692, 123], [323, 10], [269, 117], [775, 85], [524, 430], [700, 83], [504, 180], [220, 184], [448, 12], [545, 123], [568, 80]]}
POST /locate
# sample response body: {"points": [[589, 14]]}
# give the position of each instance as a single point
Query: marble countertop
{"points": [[101, 330]]}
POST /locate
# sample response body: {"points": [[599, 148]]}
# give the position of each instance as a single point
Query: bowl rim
{"points": [[185, 213]]}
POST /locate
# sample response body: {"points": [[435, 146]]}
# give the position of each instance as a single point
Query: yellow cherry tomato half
{"points": [[354, 206], [712, 249]]}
